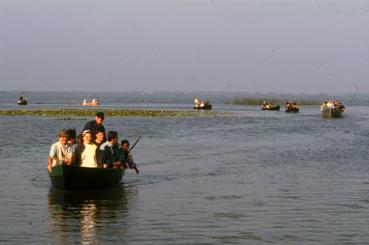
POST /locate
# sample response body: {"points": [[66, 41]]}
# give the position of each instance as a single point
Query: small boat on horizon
{"points": [[71, 177], [291, 106], [202, 105], [266, 106], [22, 101], [332, 109], [94, 102]]}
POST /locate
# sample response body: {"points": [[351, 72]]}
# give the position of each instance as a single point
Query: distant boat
{"points": [[202, 105], [332, 109], [291, 106], [66, 177], [22, 101], [94, 102], [269, 106]]}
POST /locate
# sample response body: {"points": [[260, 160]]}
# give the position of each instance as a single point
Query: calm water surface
{"points": [[254, 177]]}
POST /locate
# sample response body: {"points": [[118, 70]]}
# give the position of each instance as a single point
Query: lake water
{"points": [[252, 177]]}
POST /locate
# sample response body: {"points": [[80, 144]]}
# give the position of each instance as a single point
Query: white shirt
{"points": [[88, 156], [59, 153]]}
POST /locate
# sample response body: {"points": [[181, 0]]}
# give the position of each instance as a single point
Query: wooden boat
{"points": [[66, 177], [269, 107], [291, 107], [202, 105], [332, 109], [94, 102], [22, 101]]}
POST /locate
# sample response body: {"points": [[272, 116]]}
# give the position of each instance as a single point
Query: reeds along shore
{"points": [[259, 101], [107, 112]]}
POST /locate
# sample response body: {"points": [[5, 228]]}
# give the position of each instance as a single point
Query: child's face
{"points": [[125, 147], [100, 136], [63, 140], [114, 141], [87, 138]]}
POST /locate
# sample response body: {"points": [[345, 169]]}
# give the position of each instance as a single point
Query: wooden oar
{"points": [[134, 144]]}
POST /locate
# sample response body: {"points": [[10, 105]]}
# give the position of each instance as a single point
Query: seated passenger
{"points": [[86, 154], [59, 152], [126, 157], [99, 140], [72, 141], [110, 151]]}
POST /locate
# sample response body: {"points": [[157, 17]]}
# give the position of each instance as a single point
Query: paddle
{"points": [[134, 144]]}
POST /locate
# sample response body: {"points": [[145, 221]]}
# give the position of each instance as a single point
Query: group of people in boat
{"points": [[201, 104], [94, 102], [92, 148], [291, 106], [332, 104], [22, 100], [269, 106]]}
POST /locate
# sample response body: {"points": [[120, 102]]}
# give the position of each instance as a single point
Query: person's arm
{"points": [[49, 164], [52, 155], [99, 157], [132, 164], [77, 155], [106, 160]]}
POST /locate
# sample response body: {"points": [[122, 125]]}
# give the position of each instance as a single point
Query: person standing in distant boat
{"points": [[87, 154], [59, 152], [96, 125]]}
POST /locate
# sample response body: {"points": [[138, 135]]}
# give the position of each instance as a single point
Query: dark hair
{"points": [[71, 132], [100, 131], [112, 135], [100, 114], [124, 142], [63, 133]]}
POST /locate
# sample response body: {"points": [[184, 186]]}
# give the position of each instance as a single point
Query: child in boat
{"points": [[110, 151], [59, 151], [99, 139], [86, 154], [126, 157]]}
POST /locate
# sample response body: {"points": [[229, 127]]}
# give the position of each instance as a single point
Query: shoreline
{"points": [[61, 112]]}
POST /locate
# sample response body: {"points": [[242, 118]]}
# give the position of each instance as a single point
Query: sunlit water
{"points": [[253, 177]]}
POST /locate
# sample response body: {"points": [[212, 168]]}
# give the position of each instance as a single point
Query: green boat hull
{"points": [[331, 113], [292, 110], [205, 107], [65, 177], [271, 108]]}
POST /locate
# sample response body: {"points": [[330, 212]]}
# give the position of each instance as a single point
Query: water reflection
{"points": [[86, 217]]}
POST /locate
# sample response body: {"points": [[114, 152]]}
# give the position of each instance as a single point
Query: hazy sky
{"points": [[165, 45]]}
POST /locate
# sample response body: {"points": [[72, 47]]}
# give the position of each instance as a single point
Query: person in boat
{"points": [[126, 157], [99, 138], [110, 151], [96, 125], [60, 152], [87, 154], [197, 102], [72, 140]]}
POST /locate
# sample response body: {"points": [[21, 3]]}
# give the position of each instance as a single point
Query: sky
{"points": [[292, 46]]}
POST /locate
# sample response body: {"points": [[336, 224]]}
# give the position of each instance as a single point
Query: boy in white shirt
{"points": [[59, 152]]}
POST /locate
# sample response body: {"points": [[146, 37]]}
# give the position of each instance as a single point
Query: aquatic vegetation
{"points": [[259, 101], [67, 112]]}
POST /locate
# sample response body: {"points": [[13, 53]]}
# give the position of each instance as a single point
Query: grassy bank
{"points": [[108, 113], [259, 101]]}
